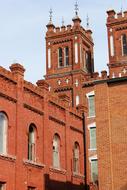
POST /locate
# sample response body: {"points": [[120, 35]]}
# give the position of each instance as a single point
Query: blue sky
{"points": [[23, 27]]}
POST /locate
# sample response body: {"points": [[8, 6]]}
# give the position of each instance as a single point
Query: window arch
{"points": [[76, 158], [56, 151], [66, 58], [3, 132], [32, 143], [60, 57]]}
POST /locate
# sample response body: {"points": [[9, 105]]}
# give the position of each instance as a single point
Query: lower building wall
{"points": [[111, 119]]}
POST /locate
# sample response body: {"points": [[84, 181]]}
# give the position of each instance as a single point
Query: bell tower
{"points": [[117, 42], [69, 57]]}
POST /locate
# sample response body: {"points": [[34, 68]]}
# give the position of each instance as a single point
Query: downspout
{"points": [[85, 149]]}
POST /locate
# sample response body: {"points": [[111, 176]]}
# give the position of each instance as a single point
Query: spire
{"points": [[76, 9], [87, 22], [76, 19], [50, 25], [50, 15], [62, 21]]}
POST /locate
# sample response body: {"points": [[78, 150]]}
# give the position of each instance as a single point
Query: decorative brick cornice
{"points": [[76, 114], [76, 130], [64, 88], [55, 103], [7, 75], [57, 120], [9, 98], [31, 108], [33, 88]]}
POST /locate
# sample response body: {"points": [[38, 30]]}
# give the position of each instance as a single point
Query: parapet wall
{"points": [[115, 17]]}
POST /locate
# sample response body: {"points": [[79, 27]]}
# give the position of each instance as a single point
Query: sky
{"points": [[23, 28]]}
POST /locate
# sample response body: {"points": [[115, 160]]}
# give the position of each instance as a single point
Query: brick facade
{"points": [[60, 105]]}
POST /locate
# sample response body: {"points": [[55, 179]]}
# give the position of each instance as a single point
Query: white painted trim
{"points": [[49, 58], [112, 45], [92, 149], [76, 53], [92, 93], [92, 125], [122, 44], [93, 158], [89, 117]]}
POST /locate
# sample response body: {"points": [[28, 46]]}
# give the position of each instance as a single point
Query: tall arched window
{"points": [[3, 133], [56, 151], [76, 158], [60, 57], [32, 143], [66, 52], [124, 44]]}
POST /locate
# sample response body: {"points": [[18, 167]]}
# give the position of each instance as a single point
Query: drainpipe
{"points": [[85, 149]]}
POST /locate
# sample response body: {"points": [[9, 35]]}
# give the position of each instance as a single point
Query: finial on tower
{"points": [[87, 22], [76, 19], [76, 9], [121, 8], [50, 15], [62, 21], [50, 26]]}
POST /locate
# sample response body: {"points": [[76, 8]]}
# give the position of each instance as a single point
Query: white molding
{"points": [[76, 52], [92, 149], [49, 58], [93, 158], [92, 93], [91, 125]]}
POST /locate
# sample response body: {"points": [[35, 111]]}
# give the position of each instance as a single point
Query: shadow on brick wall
{"points": [[59, 185]]}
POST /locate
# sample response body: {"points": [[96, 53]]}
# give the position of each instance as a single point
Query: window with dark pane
{"points": [[66, 56], [76, 158], [60, 57], [31, 143], [3, 132], [124, 44]]}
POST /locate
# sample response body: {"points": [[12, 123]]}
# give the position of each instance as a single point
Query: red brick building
{"points": [[69, 130]]}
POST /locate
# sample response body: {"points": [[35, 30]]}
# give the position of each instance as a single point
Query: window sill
{"points": [[78, 175], [33, 164], [92, 149], [7, 157], [90, 117], [57, 170], [62, 67]]}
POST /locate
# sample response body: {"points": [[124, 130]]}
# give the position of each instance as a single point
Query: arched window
{"points": [[56, 151], [3, 133], [76, 158], [124, 44], [60, 57], [66, 52], [31, 143]]}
